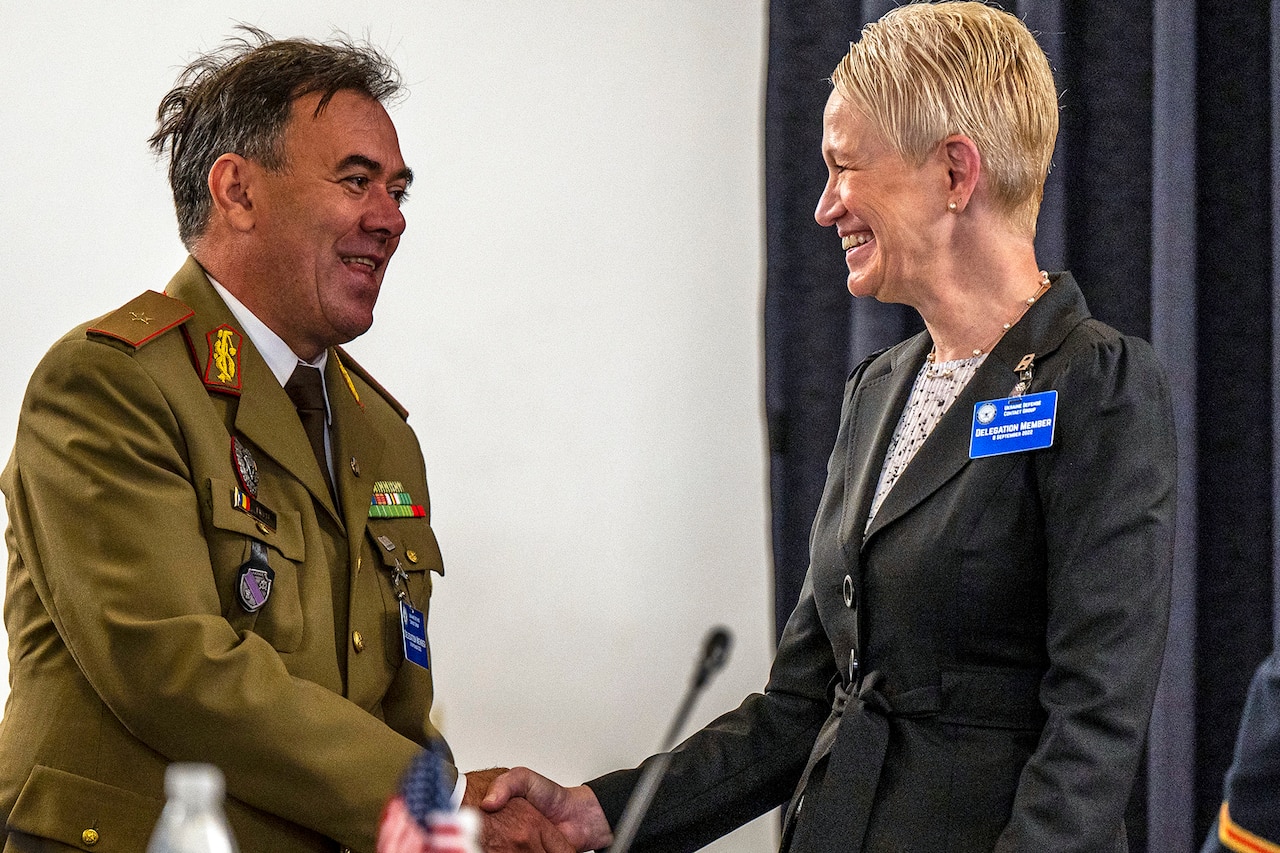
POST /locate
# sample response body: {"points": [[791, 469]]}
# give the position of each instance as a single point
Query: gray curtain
{"points": [[1164, 202]]}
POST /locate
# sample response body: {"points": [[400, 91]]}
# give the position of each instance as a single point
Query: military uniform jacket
{"points": [[1249, 819], [976, 672], [129, 644]]}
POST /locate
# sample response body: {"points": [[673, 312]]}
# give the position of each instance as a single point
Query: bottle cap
{"points": [[194, 783]]}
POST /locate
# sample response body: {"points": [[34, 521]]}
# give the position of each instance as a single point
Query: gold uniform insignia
{"points": [[222, 370]]}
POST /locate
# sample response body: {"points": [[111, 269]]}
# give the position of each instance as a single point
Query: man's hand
{"points": [[515, 826], [478, 782], [575, 812]]}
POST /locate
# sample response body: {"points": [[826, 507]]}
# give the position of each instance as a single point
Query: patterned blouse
{"points": [[935, 389]]}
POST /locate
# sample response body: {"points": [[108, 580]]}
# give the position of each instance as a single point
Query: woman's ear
{"points": [[964, 166]]}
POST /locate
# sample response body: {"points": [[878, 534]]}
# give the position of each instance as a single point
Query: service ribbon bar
{"points": [[396, 511], [390, 500]]}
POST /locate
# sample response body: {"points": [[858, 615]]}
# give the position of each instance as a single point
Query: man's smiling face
{"points": [[328, 222]]}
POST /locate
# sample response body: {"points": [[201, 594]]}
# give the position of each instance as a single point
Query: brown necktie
{"points": [[306, 390]]}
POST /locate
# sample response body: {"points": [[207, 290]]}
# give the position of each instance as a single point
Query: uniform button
{"points": [[355, 466], [412, 555], [357, 641], [848, 591], [89, 837]]}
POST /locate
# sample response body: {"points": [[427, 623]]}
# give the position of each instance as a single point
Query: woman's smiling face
{"points": [[885, 209]]}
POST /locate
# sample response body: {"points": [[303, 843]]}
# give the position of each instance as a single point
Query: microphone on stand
{"points": [[715, 651]]}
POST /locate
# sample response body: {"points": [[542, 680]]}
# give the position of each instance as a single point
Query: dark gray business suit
{"points": [[1012, 609]]}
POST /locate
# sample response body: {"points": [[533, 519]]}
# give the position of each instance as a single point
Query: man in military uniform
{"points": [[1249, 818], [219, 537]]}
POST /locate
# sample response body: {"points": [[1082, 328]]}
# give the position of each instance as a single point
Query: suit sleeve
{"points": [[745, 762], [750, 759], [109, 521], [1107, 489]]}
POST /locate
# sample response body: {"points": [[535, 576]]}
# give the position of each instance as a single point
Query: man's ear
{"points": [[231, 185], [964, 167]]}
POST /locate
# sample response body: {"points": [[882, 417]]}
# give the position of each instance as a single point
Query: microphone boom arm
{"points": [[715, 651]]}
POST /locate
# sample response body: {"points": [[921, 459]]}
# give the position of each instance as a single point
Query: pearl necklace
{"points": [[932, 357]]}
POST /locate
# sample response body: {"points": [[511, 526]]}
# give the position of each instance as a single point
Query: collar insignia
{"points": [[222, 370], [351, 386]]}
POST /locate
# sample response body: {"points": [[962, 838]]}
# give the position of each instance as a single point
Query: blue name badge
{"points": [[1013, 425], [414, 629]]}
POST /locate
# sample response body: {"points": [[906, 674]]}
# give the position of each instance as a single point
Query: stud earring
{"points": [[953, 207]]}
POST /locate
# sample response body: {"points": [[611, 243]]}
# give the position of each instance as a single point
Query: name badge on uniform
{"points": [[1013, 425], [414, 629]]}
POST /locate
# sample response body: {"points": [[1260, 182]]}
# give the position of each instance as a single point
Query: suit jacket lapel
{"points": [[264, 414], [877, 405], [357, 451], [268, 418], [946, 451]]}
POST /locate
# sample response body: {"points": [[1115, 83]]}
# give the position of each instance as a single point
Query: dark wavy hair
{"points": [[237, 99]]}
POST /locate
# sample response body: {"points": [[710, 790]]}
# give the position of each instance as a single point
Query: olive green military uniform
{"points": [[129, 643]]}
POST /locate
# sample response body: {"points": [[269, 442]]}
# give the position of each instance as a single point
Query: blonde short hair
{"points": [[928, 70]]}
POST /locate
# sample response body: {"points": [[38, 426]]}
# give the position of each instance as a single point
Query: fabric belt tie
{"points": [[306, 389], [855, 739]]}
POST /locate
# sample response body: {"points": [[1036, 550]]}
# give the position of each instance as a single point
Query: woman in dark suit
{"points": [[973, 660]]}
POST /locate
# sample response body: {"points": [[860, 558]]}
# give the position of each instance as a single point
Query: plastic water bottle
{"points": [[193, 820]]}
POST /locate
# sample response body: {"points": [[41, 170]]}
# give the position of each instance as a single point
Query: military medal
{"points": [[245, 496], [246, 468], [253, 584], [390, 500]]}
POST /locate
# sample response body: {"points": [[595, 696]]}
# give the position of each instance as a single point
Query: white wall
{"points": [[572, 320]]}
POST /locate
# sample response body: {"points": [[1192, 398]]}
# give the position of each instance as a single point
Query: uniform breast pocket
{"points": [[406, 553], [256, 567]]}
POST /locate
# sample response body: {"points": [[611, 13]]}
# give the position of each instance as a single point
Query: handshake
{"points": [[522, 811], [561, 819]]}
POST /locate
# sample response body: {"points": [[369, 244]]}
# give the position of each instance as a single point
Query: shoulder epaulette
{"points": [[346, 362], [143, 319]]}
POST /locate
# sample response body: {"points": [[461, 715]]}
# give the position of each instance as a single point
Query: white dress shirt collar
{"points": [[275, 352]]}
